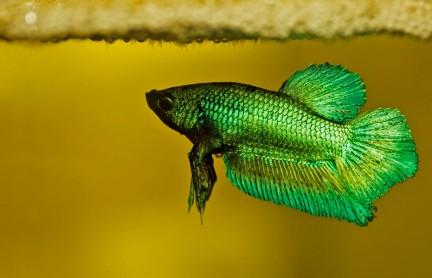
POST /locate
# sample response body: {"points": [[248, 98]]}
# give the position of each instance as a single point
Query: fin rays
{"points": [[329, 90], [379, 153], [312, 187]]}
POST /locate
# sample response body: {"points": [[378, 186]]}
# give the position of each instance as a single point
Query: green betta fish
{"points": [[303, 147]]}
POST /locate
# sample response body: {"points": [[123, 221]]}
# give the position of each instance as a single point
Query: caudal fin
{"points": [[380, 153]]}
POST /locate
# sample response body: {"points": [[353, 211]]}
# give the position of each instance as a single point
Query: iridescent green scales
{"points": [[303, 147], [245, 115]]}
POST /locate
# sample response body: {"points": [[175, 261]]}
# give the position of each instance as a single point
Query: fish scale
{"points": [[264, 125], [304, 147]]}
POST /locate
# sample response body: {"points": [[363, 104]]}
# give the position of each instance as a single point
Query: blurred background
{"points": [[92, 184]]}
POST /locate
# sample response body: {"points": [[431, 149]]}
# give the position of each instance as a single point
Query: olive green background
{"points": [[92, 184]]}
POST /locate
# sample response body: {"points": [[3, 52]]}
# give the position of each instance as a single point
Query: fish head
{"points": [[176, 107]]}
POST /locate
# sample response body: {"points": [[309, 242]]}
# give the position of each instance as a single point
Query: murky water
{"points": [[92, 184]]}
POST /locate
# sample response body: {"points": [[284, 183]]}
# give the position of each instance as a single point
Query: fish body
{"points": [[304, 146], [244, 115]]}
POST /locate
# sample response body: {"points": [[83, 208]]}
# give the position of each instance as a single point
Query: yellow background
{"points": [[92, 184]]}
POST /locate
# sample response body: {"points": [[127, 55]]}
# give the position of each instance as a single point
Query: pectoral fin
{"points": [[203, 175]]}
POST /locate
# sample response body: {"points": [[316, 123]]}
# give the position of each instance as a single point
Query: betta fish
{"points": [[305, 146]]}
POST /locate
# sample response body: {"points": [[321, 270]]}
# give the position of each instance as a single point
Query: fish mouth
{"points": [[151, 98]]}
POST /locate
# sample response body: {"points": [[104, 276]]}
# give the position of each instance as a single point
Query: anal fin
{"points": [[313, 187]]}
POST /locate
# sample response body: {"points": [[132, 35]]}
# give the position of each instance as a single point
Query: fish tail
{"points": [[380, 152]]}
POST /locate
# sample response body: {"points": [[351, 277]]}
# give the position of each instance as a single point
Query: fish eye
{"points": [[165, 103]]}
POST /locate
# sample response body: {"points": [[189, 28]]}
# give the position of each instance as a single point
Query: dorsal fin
{"points": [[331, 91]]}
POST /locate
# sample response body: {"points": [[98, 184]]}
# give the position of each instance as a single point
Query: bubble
{"points": [[30, 18]]}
